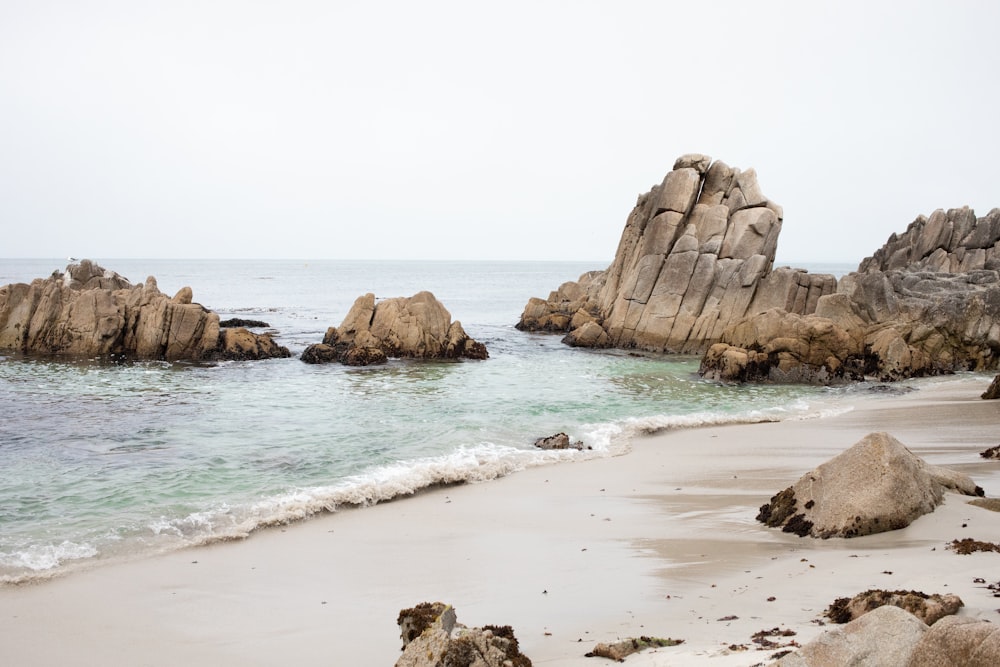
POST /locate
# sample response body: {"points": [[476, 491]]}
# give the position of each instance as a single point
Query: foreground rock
{"points": [[93, 312], [885, 637], [928, 608], [892, 637], [432, 637], [695, 257], [417, 327], [926, 303], [875, 486]]}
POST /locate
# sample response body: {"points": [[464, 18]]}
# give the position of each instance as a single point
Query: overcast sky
{"points": [[502, 130]]}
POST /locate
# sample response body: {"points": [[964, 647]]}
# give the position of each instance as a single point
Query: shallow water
{"points": [[106, 460]]}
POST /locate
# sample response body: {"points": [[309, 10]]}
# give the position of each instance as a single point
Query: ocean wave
{"points": [[467, 464]]}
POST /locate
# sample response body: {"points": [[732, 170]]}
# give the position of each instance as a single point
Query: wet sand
{"points": [[661, 541]]}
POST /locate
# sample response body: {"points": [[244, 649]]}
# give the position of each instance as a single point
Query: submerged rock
{"points": [[432, 637], [91, 311], [558, 441], [417, 327], [874, 486]]}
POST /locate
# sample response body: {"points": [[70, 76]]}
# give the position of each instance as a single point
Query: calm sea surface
{"points": [[101, 461]]}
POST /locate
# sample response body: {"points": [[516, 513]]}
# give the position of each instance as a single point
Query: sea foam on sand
{"points": [[659, 542]]}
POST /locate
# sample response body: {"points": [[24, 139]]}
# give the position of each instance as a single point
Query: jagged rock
{"points": [[874, 486], [90, 311], [784, 347], [432, 637], [558, 441], [993, 391], [957, 640], [884, 637], [418, 327], [928, 608], [695, 256], [926, 303]]}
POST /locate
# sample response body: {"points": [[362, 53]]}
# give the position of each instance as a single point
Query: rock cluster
{"points": [[695, 256], [927, 302], [928, 608], [90, 311], [874, 486], [432, 637], [892, 637], [418, 327]]}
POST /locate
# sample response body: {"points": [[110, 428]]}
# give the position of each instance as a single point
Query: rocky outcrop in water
{"points": [[926, 303], [695, 256], [93, 312], [416, 327], [433, 637], [875, 486]]}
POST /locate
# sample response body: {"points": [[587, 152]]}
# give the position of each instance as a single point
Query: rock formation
{"points": [[928, 608], [90, 311], [926, 303], [432, 637], [958, 640], [418, 327], [695, 256], [993, 391], [875, 486]]}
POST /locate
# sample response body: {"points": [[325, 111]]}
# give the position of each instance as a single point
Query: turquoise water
{"points": [[102, 461]]}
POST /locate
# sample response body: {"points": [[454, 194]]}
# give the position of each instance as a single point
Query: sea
{"points": [[102, 461]]}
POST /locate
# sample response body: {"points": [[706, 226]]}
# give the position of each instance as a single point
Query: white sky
{"points": [[502, 130]]}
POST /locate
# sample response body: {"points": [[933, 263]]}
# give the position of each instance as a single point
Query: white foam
{"points": [[38, 557]]}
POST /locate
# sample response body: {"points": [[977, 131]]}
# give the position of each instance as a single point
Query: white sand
{"points": [[659, 542]]}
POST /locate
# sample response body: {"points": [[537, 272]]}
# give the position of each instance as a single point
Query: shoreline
{"points": [[661, 541]]}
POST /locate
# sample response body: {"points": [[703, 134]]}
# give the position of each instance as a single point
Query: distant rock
{"points": [[238, 322], [620, 650], [695, 256], [993, 391], [874, 486], [432, 637], [417, 327], [90, 311]]}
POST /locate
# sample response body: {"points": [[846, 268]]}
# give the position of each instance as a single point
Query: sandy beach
{"points": [[661, 541]]}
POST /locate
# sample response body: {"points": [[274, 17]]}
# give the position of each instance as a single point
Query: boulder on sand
{"points": [[433, 637], [875, 486], [416, 327]]}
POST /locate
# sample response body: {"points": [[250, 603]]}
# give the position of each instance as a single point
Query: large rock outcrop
{"points": [[417, 327], [926, 303], [93, 312], [433, 637], [875, 486], [695, 256]]}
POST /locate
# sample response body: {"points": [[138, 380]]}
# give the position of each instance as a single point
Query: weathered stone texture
{"points": [[417, 327], [91, 311], [874, 486], [692, 258]]}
